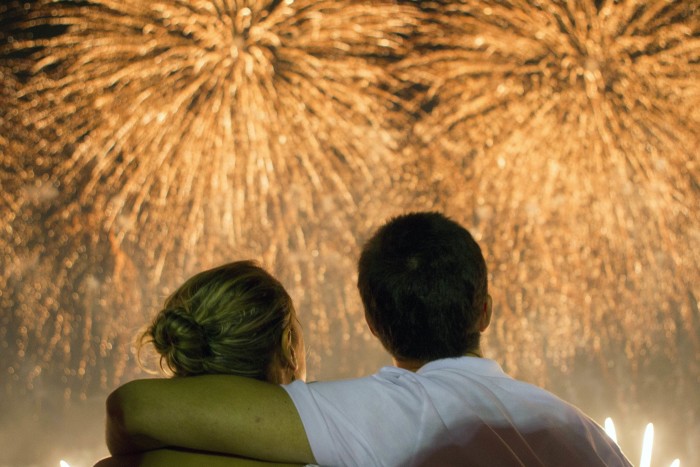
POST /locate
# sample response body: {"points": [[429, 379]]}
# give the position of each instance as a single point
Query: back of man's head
{"points": [[422, 279]]}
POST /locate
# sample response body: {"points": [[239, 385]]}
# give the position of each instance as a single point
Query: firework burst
{"points": [[160, 134], [576, 132], [179, 103], [180, 133], [565, 134]]}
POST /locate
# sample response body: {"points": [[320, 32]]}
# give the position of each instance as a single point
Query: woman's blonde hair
{"points": [[227, 320]]}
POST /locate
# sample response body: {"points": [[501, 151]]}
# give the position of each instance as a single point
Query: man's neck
{"points": [[415, 365], [409, 364], [475, 353]]}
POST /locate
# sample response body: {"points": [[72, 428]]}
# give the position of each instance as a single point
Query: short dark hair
{"points": [[423, 282]]}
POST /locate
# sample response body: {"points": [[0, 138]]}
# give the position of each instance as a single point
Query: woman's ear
{"points": [[283, 367]]}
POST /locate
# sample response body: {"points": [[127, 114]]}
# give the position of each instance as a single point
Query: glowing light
{"points": [[610, 429], [647, 445], [64, 464], [647, 442]]}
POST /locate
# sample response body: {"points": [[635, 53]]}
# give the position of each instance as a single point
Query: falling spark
{"points": [[8, 142], [647, 445]]}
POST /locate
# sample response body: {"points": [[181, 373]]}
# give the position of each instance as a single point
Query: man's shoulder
{"points": [[471, 404], [376, 384]]}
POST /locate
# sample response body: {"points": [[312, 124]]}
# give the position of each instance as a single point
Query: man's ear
{"points": [[485, 318], [370, 326]]}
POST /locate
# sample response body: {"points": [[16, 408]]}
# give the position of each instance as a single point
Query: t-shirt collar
{"points": [[483, 366]]}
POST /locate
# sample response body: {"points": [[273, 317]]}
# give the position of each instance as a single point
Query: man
{"points": [[423, 283]]}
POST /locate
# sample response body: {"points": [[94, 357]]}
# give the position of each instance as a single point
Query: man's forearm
{"points": [[225, 414]]}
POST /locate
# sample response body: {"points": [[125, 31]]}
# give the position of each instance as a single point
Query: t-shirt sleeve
{"points": [[340, 420], [317, 432]]}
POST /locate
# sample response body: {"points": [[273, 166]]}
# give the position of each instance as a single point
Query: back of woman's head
{"points": [[227, 320]]}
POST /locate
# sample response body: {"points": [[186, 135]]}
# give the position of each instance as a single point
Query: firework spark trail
{"points": [[157, 135], [8, 202], [173, 131], [191, 128], [247, 80], [10, 143], [13, 137], [576, 130]]}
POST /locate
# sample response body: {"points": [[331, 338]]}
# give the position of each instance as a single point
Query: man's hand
{"points": [[216, 413]]}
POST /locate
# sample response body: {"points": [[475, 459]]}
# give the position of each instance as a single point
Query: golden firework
{"points": [[166, 136], [574, 128], [565, 135], [257, 105], [194, 131]]}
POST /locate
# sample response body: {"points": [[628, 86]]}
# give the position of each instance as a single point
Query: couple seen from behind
{"points": [[231, 337]]}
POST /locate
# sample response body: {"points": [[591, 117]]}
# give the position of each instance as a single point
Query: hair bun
{"points": [[180, 340]]}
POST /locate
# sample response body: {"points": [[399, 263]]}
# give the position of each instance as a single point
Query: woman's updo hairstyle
{"points": [[227, 320]]}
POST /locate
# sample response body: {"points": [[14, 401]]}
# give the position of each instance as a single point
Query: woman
{"points": [[234, 319]]}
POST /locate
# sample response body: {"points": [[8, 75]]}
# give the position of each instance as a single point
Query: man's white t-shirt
{"points": [[453, 412]]}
